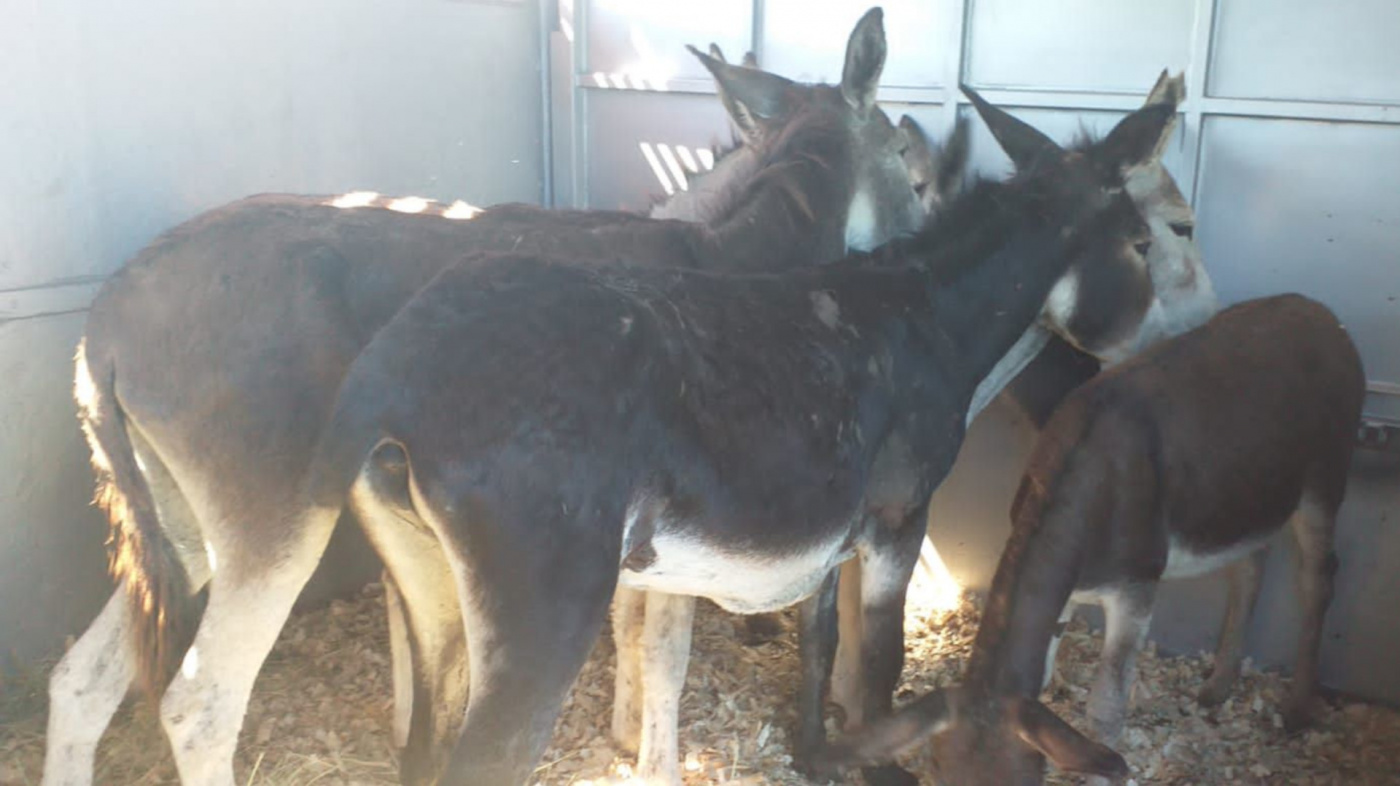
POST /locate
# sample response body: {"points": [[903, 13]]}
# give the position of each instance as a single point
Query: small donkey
{"points": [[1184, 460]]}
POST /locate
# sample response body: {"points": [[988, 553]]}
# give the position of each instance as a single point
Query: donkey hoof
{"points": [[889, 775], [1297, 716], [1213, 694]]}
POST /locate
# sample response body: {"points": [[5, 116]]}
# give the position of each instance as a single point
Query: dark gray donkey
{"points": [[1185, 460], [211, 361], [560, 428]]}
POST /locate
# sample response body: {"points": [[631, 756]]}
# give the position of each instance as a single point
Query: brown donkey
{"points": [[1184, 460]]}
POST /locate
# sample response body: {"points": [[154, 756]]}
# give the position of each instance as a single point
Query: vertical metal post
{"points": [[1197, 76], [954, 64]]}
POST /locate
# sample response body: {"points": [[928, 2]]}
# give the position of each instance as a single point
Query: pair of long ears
{"points": [[1137, 139], [884, 740], [754, 97]]}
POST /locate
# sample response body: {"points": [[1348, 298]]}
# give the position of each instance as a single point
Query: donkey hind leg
{"points": [[250, 596], [1245, 577], [885, 571], [535, 585], [88, 684], [665, 656], [628, 618], [1313, 525], [434, 671], [400, 660], [817, 639], [85, 689], [847, 686], [1127, 616], [1066, 615]]}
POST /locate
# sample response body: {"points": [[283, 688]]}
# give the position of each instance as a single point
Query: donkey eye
{"points": [[1143, 247], [1185, 230], [920, 188]]}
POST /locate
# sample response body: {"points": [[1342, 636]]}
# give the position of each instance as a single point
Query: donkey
{"points": [[651, 631], [560, 428], [1184, 289], [235, 330], [642, 720], [1184, 460]]}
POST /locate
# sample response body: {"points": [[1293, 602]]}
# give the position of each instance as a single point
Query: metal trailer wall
{"points": [[120, 120], [1289, 146]]}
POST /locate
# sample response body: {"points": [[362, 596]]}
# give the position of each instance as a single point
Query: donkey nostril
{"points": [[1143, 248]]}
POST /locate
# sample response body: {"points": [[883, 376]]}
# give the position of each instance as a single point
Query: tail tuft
{"points": [[140, 557]]}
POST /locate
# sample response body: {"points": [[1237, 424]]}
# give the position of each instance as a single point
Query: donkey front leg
{"points": [[1314, 525], [629, 611], [85, 689], [1244, 578], [885, 570], [1127, 615], [665, 648], [817, 639]]}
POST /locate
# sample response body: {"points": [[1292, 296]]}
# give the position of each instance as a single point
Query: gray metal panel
{"points": [[646, 40], [137, 117], [629, 130], [807, 41], [1097, 45], [1302, 49], [1308, 207]]}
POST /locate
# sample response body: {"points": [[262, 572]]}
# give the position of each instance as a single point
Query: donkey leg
{"points": [[1128, 615], [817, 639], [1054, 649], [250, 596], [1245, 578], [534, 609], [400, 660], [885, 571], [85, 689], [847, 687], [628, 619], [1314, 525], [666, 654]]}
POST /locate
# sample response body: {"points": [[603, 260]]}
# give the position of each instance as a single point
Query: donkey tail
{"points": [[140, 557]]}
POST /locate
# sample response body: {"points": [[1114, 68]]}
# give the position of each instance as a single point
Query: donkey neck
{"points": [[994, 259], [710, 196], [1034, 580]]}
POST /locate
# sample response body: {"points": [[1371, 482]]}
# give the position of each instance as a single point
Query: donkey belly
{"points": [[743, 583], [1185, 562]]}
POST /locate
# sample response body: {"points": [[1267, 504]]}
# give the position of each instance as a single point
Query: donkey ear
{"points": [[748, 94], [883, 740], [1138, 137], [952, 161], [1169, 90], [865, 60], [718, 54], [1023, 143], [1066, 748]]}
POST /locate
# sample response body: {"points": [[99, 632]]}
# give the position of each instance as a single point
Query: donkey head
{"points": [[1102, 301], [935, 171], [881, 204], [1001, 742], [1185, 294]]}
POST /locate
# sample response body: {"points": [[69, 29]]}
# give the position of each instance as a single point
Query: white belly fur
{"points": [[739, 583], [1184, 563]]}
